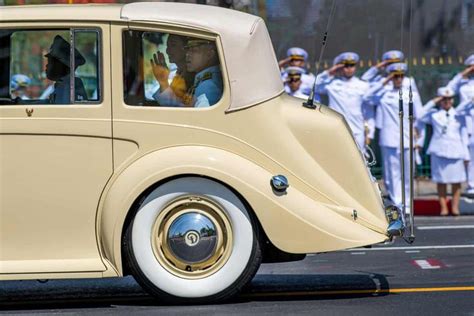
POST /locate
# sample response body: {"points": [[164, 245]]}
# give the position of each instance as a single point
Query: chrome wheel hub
{"points": [[192, 237]]}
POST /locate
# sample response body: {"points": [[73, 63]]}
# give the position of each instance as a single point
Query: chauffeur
{"points": [[448, 147], [297, 57], [345, 92], [386, 98], [58, 70], [463, 84]]}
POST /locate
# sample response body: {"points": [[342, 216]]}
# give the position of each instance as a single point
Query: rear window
{"points": [[35, 66], [169, 70]]}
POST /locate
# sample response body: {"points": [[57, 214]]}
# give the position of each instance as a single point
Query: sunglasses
{"points": [[293, 80], [448, 98], [398, 76], [349, 65]]}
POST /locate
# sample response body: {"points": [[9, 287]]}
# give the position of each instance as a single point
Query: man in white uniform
{"points": [[387, 102], [293, 82], [345, 92], [463, 84], [377, 74], [297, 57]]}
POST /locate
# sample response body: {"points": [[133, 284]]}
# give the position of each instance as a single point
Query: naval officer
{"points": [[297, 57], [448, 147], [463, 84], [378, 73], [385, 97], [345, 92], [293, 82]]}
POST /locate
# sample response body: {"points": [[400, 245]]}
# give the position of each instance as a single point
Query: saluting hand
{"points": [[382, 64], [467, 71], [387, 80], [282, 63], [334, 69], [437, 100]]}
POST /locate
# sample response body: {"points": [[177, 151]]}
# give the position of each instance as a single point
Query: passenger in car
{"points": [[202, 58], [181, 79], [58, 70]]}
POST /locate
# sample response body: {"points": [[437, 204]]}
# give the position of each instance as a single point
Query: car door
{"points": [[55, 144]]}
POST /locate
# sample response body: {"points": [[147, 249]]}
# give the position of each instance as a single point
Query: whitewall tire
{"points": [[192, 240]]}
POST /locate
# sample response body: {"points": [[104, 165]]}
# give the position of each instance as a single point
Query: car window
{"points": [[35, 66], [162, 69]]}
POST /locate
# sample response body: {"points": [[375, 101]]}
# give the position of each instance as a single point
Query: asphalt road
{"points": [[434, 276]]}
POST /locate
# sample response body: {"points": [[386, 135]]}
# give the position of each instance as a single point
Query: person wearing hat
{"points": [[58, 70], [449, 132], [297, 57], [178, 81], [19, 84], [463, 85], [378, 73], [345, 92], [385, 97], [293, 82]]}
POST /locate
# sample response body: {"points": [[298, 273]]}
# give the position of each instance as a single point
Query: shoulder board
{"points": [[206, 76]]}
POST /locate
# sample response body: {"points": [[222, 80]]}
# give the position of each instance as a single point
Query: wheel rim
{"points": [[192, 237]]}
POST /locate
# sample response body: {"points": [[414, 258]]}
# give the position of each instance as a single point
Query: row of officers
{"points": [[372, 101]]}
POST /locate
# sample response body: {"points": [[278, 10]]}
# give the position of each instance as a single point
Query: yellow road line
{"points": [[374, 291]]}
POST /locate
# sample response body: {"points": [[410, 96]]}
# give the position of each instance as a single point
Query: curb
{"points": [[429, 206]]}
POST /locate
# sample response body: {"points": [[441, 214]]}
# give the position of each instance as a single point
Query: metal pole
{"points": [[411, 238], [402, 150]]}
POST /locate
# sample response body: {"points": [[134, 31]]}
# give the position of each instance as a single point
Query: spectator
{"points": [[449, 131], [19, 85]]}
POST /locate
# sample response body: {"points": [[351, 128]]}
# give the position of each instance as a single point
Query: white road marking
{"points": [[357, 253], [414, 248], [445, 227], [412, 251], [426, 265]]}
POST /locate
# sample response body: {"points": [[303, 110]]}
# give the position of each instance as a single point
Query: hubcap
{"points": [[192, 237]]}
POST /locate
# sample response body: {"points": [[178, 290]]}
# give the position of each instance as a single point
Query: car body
{"points": [[75, 177]]}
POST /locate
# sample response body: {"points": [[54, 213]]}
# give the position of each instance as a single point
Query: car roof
{"points": [[250, 60]]}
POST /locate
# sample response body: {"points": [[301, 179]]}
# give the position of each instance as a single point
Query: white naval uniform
{"points": [[307, 82], [465, 88], [298, 94], [346, 97], [386, 101], [448, 145], [372, 76]]}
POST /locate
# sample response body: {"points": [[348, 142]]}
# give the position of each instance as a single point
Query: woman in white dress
{"points": [[448, 147]]}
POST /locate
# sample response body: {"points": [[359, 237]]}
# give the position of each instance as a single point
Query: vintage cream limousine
{"points": [[155, 139]]}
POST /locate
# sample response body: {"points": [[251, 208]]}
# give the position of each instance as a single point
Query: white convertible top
{"points": [[249, 56]]}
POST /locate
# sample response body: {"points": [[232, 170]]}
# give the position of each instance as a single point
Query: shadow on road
{"points": [[96, 293]]}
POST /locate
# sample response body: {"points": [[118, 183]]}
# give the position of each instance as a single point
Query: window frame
{"points": [[180, 31], [72, 31]]}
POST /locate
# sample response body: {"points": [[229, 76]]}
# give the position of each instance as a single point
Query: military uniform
{"points": [[449, 131], [307, 78], [374, 75], [207, 88], [346, 96], [295, 74], [387, 102], [465, 88]]}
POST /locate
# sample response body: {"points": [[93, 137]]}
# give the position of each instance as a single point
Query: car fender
{"points": [[293, 222]]}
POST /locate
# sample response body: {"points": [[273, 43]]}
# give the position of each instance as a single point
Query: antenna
{"points": [[310, 102]]}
